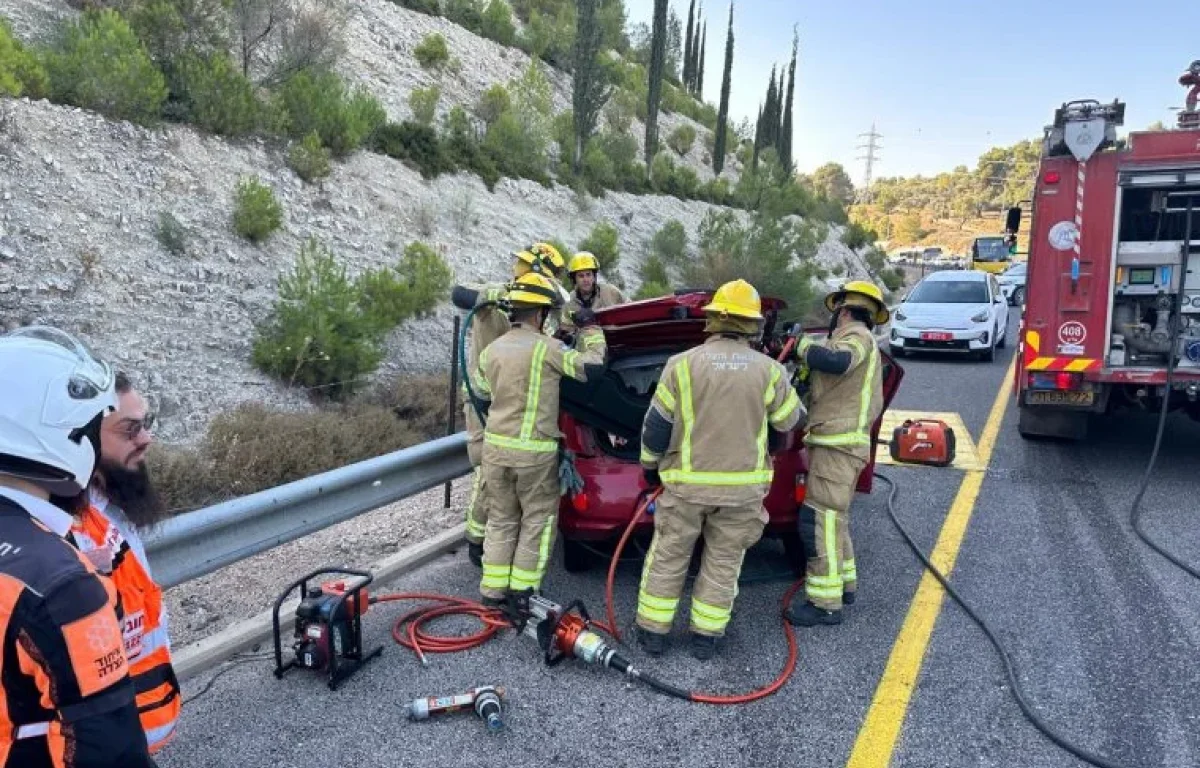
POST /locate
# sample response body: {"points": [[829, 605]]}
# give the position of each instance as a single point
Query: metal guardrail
{"points": [[197, 543]]}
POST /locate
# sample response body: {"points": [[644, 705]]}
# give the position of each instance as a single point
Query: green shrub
{"points": [[411, 288], [218, 97], [597, 169], [465, 13], [432, 52], [430, 7], [516, 151], [256, 212], [893, 278], [319, 333], [418, 144], [550, 36], [670, 243], [682, 139], [21, 74], [718, 192], [172, 235], [463, 149], [319, 102], [858, 236], [99, 64], [655, 280], [620, 111], [684, 183], [423, 103], [494, 102], [498, 24], [838, 269], [308, 158], [604, 243]]}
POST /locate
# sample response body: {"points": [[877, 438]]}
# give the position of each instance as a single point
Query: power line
{"points": [[872, 147]]}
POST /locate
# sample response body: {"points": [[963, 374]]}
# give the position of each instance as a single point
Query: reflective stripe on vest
{"points": [[688, 476], [147, 642], [861, 436], [529, 421]]}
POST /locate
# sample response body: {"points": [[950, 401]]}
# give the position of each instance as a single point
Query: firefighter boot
{"points": [[809, 615], [704, 647], [848, 598], [653, 643], [475, 553]]}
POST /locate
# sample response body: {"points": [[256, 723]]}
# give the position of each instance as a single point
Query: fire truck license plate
{"points": [[1081, 399], [936, 336]]}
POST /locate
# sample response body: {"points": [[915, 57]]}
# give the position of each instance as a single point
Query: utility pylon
{"points": [[872, 147]]}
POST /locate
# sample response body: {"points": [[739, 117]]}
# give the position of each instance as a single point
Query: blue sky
{"points": [[944, 80]]}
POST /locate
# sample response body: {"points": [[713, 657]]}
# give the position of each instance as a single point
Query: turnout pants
{"points": [[728, 532], [477, 504], [825, 526], [521, 525]]}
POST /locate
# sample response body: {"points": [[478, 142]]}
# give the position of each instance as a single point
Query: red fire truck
{"points": [[1113, 285]]}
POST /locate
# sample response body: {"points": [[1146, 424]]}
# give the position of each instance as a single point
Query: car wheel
{"points": [[1002, 340], [1018, 297], [793, 551], [576, 556], [989, 354]]}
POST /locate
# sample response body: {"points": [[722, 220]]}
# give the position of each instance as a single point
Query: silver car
{"points": [[1012, 284]]}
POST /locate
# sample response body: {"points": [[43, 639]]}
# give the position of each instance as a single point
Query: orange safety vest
{"points": [[147, 645]]}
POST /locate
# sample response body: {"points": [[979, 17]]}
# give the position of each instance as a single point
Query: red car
{"points": [[602, 421]]}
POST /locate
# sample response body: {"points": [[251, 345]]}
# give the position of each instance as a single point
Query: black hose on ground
{"points": [[1135, 510], [1010, 669]]}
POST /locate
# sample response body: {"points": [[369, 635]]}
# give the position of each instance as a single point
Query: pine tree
{"points": [[785, 139], [700, 68], [768, 119], [591, 90], [658, 56], [688, 48], [758, 137], [723, 111]]}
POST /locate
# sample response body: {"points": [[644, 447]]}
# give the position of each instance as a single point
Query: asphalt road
{"points": [[1104, 631]]}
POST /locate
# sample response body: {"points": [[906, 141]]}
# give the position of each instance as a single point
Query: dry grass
{"points": [[254, 448]]}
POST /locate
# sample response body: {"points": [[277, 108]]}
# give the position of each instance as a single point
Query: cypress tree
{"points": [[658, 57], [785, 139], [688, 48], [769, 119], [758, 137], [590, 89], [723, 111], [700, 68]]}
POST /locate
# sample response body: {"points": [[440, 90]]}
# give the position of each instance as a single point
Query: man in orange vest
{"points": [[122, 501]]}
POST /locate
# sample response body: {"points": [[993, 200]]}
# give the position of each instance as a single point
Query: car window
{"points": [[950, 292], [1016, 270]]}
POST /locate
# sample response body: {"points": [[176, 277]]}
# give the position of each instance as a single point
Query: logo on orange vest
{"points": [[133, 627]]}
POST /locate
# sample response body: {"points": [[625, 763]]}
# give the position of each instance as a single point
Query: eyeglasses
{"points": [[130, 429]]}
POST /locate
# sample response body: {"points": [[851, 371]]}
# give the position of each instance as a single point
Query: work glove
{"points": [[584, 317], [652, 479]]}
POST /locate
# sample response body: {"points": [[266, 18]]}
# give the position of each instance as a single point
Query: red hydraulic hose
{"points": [[408, 630], [611, 627]]}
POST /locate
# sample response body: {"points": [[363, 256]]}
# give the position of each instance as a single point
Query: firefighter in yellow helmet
{"points": [[488, 324], [718, 410], [549, 262], [589, 294], [518, 377], [845, 379]]}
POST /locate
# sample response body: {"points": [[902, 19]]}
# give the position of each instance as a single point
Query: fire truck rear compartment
{"points": [[1151, 239]]}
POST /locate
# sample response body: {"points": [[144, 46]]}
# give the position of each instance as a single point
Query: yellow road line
{"points": [[881, 728]]}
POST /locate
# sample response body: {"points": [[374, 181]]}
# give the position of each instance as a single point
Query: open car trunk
{"points": [[641, 337]]}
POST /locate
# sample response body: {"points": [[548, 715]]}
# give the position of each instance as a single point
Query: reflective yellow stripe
{"points": [[648, 456], [544, 547], [684, 375], [495, 576], [752, 477], [702, 622], [475, 527], [770, 393], [517, 444], [761, 446], [535, 388], [483, 385], [831, 548], [823, 581], [666, 399], [570, 361], [865, 406], [657, 609], [658, 615], [790, 403], [523, 579], [858, 347], [829, 593], [845, 438]]}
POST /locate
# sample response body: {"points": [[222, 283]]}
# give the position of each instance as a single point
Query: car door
{"points": [[999, 306]]}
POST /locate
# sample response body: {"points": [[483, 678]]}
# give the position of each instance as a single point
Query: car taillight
{"points": [[801, 489], [580, 502]]}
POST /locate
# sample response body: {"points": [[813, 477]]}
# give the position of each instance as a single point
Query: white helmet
{"points": [[55, 395]]}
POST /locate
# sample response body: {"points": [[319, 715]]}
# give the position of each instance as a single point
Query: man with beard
{"points": [[123, 500]]}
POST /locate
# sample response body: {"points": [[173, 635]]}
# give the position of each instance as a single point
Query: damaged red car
{"points": [[601, 422]]}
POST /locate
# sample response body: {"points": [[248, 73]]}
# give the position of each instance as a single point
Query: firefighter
{"points": [[550, 264], [518, 377], [718, 411], [589, 292], [845, 380], [489, 323], [66, 697]]}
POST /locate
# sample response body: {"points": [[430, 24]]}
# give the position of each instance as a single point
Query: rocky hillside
{"points": [[81, 197]]}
